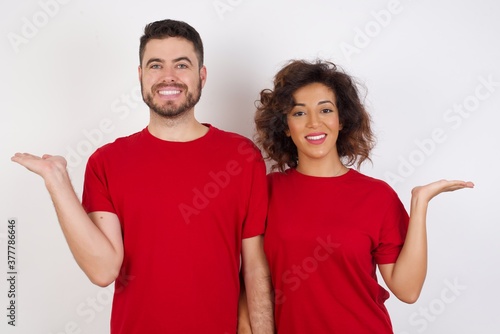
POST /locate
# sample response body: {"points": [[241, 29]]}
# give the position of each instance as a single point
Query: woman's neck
{"points": [[321, 168]]}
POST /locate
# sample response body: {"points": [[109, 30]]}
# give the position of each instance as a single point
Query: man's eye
{"points": [[182, 66], [155, 66]]}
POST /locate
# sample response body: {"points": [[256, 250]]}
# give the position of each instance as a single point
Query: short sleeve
{"points": [[255, 220], [393, 231], [95, 191]]}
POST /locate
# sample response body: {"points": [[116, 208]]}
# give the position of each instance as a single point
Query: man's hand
{"points": [[50, 168]]}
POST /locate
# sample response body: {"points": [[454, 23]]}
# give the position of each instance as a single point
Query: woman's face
{"points": [[313, 123]]}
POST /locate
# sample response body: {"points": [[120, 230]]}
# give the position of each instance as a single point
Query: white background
{"points": [[69, 84]]}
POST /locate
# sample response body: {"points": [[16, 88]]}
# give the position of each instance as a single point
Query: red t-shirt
{"points": [[323, 240], [184, 208]]}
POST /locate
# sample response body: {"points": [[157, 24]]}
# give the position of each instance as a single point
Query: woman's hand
{"points": [[429, 191]]}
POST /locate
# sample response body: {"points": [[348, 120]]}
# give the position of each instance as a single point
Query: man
{"points": [[167, 211]]}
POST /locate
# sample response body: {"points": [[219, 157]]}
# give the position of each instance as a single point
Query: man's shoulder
{"points": [[120, 144], [229, 136], [233, 140], [231, 145]]}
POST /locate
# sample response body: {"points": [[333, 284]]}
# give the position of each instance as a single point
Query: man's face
{"points": [[171, 80]]}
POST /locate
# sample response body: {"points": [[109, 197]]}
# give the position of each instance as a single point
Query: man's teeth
{"points": [[169, 92], [316, 137]]}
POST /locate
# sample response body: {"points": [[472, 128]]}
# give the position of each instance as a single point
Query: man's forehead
{"points": [[169, 45], [170, 49]]}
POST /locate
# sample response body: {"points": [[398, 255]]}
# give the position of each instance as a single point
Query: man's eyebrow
{"points": [[183, 58], [160, 60], [155, 60]]}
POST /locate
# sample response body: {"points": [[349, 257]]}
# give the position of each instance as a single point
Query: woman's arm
{"points": [[405, 278]]}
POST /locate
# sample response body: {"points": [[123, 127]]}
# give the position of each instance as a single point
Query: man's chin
{"points": [[168, 113]]}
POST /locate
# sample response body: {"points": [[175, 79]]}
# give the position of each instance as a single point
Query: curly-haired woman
{"points": [[329, 226]]}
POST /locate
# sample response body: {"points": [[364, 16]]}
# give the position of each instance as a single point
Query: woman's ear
{"points": [[287, 132]]}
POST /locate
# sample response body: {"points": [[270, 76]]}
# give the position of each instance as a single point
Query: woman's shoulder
{"points": [[372, 184]]}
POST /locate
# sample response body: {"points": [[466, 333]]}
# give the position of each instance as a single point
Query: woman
{"points": [[330, 226]]}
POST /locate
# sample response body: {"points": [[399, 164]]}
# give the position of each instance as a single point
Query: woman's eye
{"points": [[298, 113], [325, 111]]}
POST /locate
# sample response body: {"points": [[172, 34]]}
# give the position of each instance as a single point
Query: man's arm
{"points": [[257, 285], [95, 239], [244, 326]]}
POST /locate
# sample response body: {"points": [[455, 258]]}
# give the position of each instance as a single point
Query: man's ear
{"points": [[203, 75], [139, 71]]}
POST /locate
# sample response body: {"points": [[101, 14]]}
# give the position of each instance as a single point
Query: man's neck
{"points": [[180, 129]]}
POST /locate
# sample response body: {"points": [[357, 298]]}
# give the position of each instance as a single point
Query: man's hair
{"points": [[355, 140], [171, 28]]}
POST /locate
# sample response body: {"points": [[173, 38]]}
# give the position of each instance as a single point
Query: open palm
{"points": [[43, 166], [429, 191]]}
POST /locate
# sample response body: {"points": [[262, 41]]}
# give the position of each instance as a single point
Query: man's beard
{"points": [[168, 109]]}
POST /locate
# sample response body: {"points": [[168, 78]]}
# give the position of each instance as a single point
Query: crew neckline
{"points": [[346, 175], [201, 139]]}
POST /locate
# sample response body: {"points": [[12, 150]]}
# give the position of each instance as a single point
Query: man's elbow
{"points": [[259, 273], [101, 282], [103, 279], [409, 298]]}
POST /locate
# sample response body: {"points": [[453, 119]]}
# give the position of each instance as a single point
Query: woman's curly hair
{"points": [[355, 140]]}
